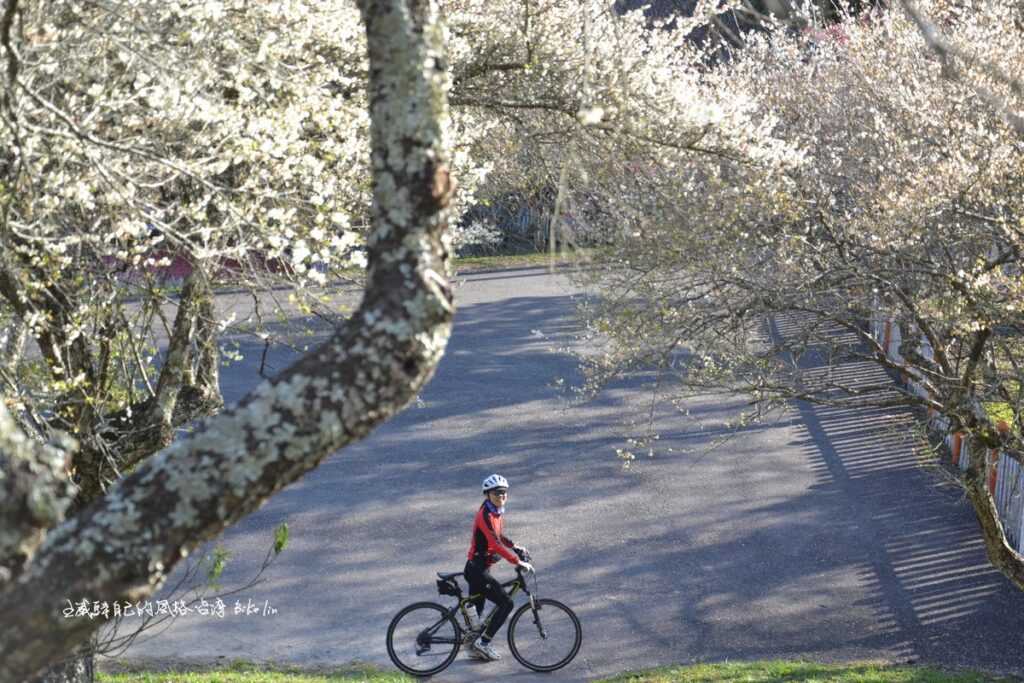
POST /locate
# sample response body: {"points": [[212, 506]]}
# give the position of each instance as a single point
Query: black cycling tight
{"points": [[481, 581]]}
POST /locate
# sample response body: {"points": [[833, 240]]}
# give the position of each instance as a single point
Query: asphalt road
{"points": [[817, 536]]}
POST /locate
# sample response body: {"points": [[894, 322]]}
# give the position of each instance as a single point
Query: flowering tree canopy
{"points": [[900, 202], [226, 141]]}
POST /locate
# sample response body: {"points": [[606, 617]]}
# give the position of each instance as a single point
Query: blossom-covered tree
{"points": [[901, 203], [579, 94], [57, 237], [227, 138]]}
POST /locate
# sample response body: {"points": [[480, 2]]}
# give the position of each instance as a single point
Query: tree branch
{"points": [[947, 51], [122, 547], [35, 491]]}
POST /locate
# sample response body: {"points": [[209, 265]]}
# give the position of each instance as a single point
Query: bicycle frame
{"points": [[517, 584], [512, 585]]}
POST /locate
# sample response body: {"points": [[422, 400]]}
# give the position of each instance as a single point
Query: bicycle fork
{"points": [[535, 609]]}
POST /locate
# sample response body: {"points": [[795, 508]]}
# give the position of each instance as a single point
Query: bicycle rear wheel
{"points": [[549, 639], [423, 639]]}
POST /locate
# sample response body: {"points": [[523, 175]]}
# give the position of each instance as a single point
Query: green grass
{"points": [[242, 671], [801, 672], [468, 263], [459, 264], [739, 672]]}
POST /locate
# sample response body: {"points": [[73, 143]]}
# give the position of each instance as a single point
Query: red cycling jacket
{"points": [[488, 543]]}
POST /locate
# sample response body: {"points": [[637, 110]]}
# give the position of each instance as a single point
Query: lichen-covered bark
{"points": [[34, 494], [122, 546]]}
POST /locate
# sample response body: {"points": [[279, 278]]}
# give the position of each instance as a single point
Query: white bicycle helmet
{"points": [[495, 481]]}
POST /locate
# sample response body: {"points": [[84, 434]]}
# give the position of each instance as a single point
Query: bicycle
{"points": [[424, 638]]}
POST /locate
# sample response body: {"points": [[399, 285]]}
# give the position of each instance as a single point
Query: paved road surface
{"points": [[816, 536]]}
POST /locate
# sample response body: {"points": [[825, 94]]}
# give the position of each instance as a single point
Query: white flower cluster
{"points": [[575, 95], [839, 171]]}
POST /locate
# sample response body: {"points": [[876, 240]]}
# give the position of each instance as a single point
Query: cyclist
{"points": [[487, 546]]}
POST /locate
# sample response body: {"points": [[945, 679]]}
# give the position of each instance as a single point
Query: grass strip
{"points": [[244, 671], [729, 672], [465, 264], [803, 672]]}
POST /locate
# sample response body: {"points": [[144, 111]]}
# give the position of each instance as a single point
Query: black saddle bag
{"points": [[449, 587]]}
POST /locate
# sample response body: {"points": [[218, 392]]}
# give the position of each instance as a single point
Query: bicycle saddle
{"points": [[448, 575]]}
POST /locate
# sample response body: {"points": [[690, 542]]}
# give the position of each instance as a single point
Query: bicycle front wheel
{"points": [[423, 639], [548, 638]]}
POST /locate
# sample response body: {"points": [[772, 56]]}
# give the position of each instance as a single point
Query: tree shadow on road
{"points": [[815, 536]]}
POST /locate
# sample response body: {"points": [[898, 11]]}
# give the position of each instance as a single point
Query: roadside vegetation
{"points": [[803, 672], [245, 671], [734, 672], [470, 263]]}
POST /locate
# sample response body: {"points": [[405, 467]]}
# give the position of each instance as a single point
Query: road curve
{"points": [[818, 536]]}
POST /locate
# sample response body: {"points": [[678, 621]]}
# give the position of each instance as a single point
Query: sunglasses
{"points": [[500, 493]]}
